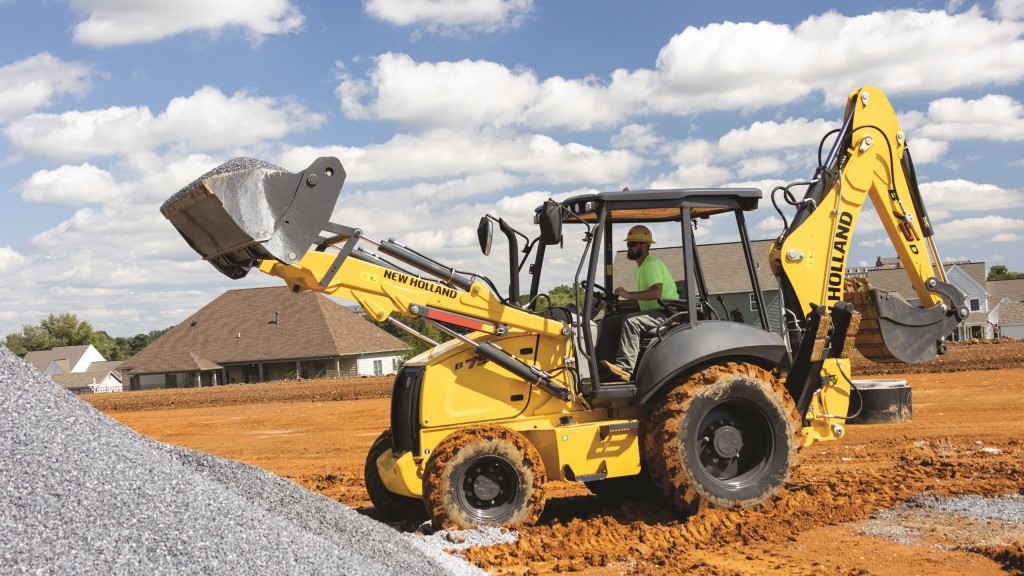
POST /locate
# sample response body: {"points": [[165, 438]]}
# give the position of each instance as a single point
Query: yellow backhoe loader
{"points": [[715, 410]]}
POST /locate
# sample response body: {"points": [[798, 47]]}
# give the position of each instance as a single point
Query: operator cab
{"points": [[677, 217]]}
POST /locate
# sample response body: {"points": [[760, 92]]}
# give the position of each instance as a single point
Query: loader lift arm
{"points": [[868, 159], [248, 213]]}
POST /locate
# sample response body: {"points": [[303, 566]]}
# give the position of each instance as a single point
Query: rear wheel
{"points": [[726, 436], [484, 475], [389, 506]]}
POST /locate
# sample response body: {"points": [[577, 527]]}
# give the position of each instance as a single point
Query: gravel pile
{"points": [[964, 521], [233, 165], [80, 493]]}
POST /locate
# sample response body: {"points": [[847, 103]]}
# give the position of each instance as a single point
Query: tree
{"points": [[561, 295], [1000, 272], [67, 330], [54, 330]]}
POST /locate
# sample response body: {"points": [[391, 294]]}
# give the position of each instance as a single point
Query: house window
{"points": [[378, 367], [753, 302], [975, 304]]}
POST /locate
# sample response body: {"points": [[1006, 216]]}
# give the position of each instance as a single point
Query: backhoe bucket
{"points": [[247, 210], [894, 330]]}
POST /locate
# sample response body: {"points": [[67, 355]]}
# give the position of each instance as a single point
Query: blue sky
{"points": [[443, 110]]}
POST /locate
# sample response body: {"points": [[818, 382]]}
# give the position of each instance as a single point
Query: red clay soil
{"points": [[966, 438]]}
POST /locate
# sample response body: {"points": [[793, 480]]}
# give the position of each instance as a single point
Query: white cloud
{"points": [[10, 260], [761, 165], [985, 227], [116, 22], [773, 136], [451, 16], [206, 120], [70, 185], [952, 197], [726, 66], [1010, 9], [769, 226], [34, 82], [993, 117], [446, 154], [473, 93], [1008, 236], [749, 66], [639, 137], [927, 150]]}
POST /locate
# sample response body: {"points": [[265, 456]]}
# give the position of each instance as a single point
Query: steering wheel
{"points": [[602, 297]]}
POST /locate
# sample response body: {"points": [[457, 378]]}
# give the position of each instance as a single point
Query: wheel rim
{"points": [[488, 488], [735, 441]]}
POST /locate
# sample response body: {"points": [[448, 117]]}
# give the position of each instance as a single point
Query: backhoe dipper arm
{"points": [[869, 159]]}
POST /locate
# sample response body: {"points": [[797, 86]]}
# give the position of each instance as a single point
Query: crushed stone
{"points": [[81, 493], [950, 521], [234, 165]]}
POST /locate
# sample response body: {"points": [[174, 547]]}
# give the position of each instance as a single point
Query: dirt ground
{"points": [[836, 515]]}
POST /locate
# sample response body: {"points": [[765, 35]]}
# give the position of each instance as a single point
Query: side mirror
{"points": [[550, 221], [484, 231]]}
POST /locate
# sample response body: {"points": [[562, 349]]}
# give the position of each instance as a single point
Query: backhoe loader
{"points": [[715, 410]]}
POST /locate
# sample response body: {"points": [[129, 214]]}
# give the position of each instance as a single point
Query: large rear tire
{"points": [[727, 436], [484, 475], [390, 507]]}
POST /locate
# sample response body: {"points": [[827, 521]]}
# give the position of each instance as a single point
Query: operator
{"points": [[620, 334]]}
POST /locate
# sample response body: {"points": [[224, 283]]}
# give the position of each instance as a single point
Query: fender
{"points": [[688, 346]]}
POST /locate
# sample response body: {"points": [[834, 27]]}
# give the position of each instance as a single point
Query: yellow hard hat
{"points": [[640, 234]]}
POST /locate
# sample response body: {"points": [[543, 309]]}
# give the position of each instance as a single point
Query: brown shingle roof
{"points": [[79, 380], [999, 289], [1011, 313], [41, 359], [261, 325], [106, 366]]}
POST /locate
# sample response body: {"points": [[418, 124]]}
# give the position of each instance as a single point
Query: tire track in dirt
{"points": [[661, 544]]}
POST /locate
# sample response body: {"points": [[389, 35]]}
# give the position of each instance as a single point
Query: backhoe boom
{"points": [[869, 159]]}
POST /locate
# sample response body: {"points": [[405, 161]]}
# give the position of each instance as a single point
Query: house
{"points": [[263, 334], [968, 277], [1007, 310], [79, 369], [725, 273], [64, 359], [90, 382]]}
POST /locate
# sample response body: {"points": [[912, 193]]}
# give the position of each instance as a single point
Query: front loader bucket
{"points": [[247, 210], [894, 330]]}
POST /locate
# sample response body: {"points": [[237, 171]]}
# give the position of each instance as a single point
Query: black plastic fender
{"points": [[687, 346]]}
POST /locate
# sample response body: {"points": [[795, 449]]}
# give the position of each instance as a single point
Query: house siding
{"points": [[366, 366], [1013, 331]]}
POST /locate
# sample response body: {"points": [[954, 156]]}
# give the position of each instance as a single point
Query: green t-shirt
{"points": [[651, 272]]}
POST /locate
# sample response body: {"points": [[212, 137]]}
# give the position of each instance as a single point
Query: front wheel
{"points": [[726, 436], [484, 475]]}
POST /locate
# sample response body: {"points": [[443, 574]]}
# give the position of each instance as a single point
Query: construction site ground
{"points": [[874, 502]]}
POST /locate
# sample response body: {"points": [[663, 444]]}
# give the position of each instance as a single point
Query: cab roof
{"points": [[664, 205]]}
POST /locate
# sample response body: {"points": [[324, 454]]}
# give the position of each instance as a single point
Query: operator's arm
{"points": [[652, 293]]}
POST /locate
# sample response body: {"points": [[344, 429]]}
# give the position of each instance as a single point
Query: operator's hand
{"points": [[622, 293]]}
